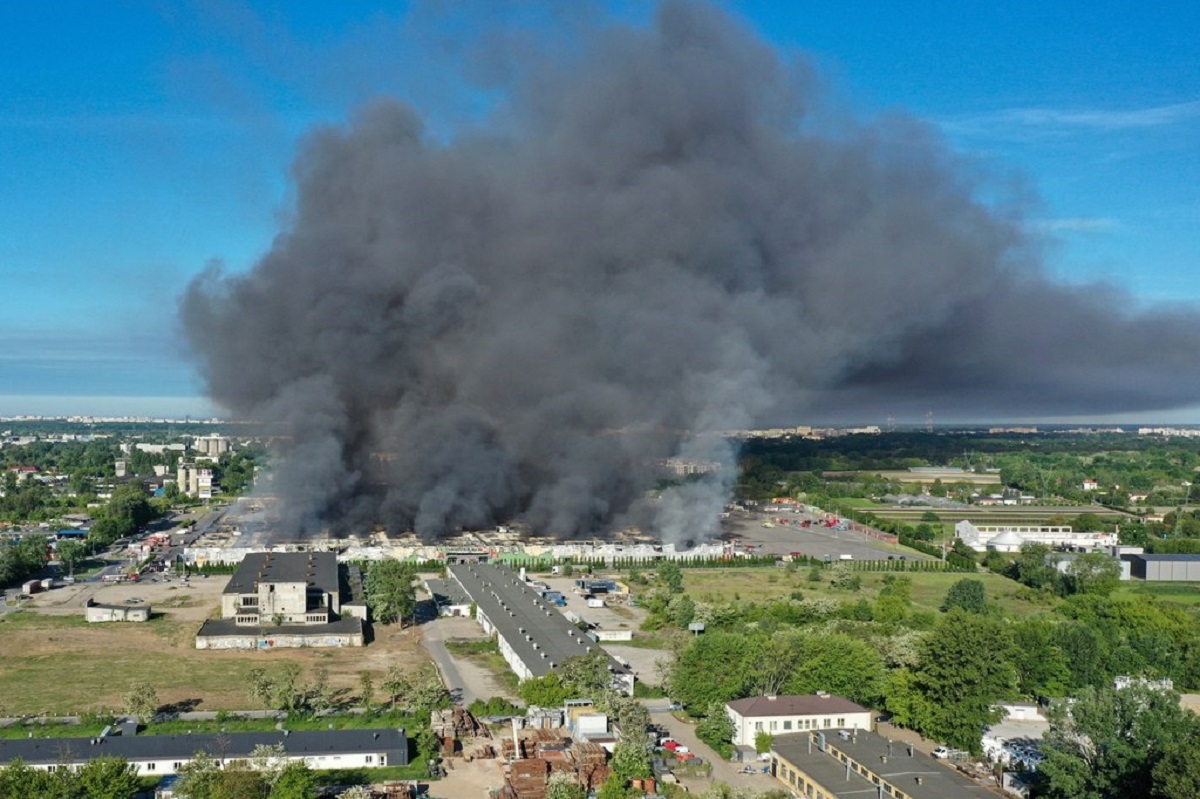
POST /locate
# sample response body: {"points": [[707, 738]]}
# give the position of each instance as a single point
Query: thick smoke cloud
{"points": [[660, 241]]}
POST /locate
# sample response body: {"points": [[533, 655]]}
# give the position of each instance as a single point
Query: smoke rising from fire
{"points": [[661, 238]]}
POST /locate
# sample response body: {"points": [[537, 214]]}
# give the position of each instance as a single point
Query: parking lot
{"points": [[816, 541]]}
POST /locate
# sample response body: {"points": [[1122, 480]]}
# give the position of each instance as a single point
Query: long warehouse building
{"points": [[533, 636]]}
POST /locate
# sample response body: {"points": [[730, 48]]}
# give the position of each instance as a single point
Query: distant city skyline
{"points": [[141, 142]]}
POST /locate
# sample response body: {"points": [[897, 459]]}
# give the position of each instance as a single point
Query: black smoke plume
{"points": [[662, 237]]}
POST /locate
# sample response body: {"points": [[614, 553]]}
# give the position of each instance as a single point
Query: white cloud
{"points": [[1077, 224], [1062, 121]]}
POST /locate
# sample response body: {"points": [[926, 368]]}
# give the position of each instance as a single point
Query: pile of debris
{"points": [[527, 779], [456, 722]]}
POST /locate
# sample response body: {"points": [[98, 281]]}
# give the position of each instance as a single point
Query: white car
{"points": [[941, 753]]}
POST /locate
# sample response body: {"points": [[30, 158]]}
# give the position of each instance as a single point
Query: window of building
{"points": [[758, 726], [249, 600], [787, 725], [369, 759], [151, 766], [841, 722], [828, 722], [774, 726], [177, 765]]}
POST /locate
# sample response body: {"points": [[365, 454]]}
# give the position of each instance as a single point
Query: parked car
{"points": [[941, 753]]}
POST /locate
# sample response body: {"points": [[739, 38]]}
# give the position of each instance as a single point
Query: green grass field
{"points": [[1181, 593], [928, 588]]}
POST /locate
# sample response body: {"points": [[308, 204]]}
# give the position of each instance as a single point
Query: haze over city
{"points": [[143, 143]]}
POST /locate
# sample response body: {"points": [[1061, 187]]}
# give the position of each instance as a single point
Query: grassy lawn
{"points": [[1181, 593], [59, 665], [486, 655], [928, 588]]}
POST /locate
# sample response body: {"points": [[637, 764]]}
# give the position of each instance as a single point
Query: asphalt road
{"points": [[722, 770]]}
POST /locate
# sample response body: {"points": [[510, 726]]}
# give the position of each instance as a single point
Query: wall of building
{"points": [[283, 641], [746, 728]]}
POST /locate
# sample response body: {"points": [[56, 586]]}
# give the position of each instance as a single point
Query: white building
{"points": [[779, 715], [979, 537], [156, 755]]}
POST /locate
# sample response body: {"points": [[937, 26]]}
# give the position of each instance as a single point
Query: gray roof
{"points": [[138, 748], [810, 705], [890, 762], [447, 592], [319, 569], [1171, 557], [530, 625], [347, 625]]}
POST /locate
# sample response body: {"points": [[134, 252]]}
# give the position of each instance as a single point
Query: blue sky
{"points": [[141, 140]]}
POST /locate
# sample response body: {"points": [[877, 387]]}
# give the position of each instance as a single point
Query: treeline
{"points": [[940, 673]]}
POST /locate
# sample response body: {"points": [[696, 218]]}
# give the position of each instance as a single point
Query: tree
{"points": [[967, 594], [839, 664], [965, 668], [107, 778], [564, 786], [390, 593], [1108, 742], [396, 685], [366, 690], [716, 728], [545, 691], [1093, 573], [295, 781], [630, 761], [21, 781], [671, 576], [141, 700], [1032, 567], [199, 778], [614, 788], [70, 554], [1177, 773], [587, 675], [428, 690], [763, 741]]}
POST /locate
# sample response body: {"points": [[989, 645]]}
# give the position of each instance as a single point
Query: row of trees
{"points": [[940, 675], [21, 557], [99, 778]]}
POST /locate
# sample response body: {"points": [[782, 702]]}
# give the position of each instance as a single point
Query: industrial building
{"points": [[157, 755], [1164, 568], [533, 636], [840, 764], [1009, 538]]}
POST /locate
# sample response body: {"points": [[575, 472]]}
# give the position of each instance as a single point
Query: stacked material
{"points": [[456, 722]]}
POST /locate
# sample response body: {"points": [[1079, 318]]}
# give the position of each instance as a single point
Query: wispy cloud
{"points": [[1077, 224], [1064, 121]]}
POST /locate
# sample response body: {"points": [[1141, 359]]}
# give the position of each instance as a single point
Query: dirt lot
{"points": [[52, 661]]}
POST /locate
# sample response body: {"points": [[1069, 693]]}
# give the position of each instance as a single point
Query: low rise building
{"points": [[780, 715], [282, 599], [1164, 568], [857, 764], [156, 755], [980, 537], [95, 612], [533, 636]]}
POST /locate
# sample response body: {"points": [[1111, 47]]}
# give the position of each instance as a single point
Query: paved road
{"points": [[722, 771], [466, 681]]}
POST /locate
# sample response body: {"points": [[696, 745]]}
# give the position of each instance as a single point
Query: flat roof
{"points": [[140, 748], [315, 568], [1176, 557], [447, 592], [890, 761], [531, 626]]}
